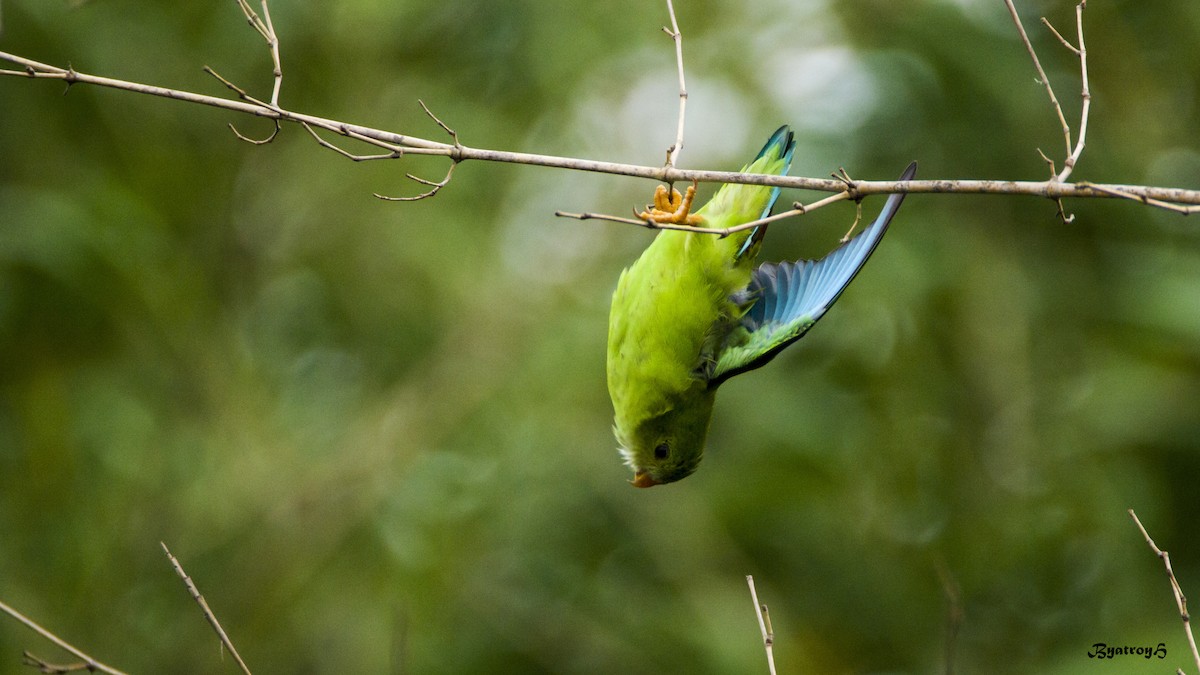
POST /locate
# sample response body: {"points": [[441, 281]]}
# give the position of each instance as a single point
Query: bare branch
{"points": [[1116, 191], [1180, 599], [413, 145], [1037, 64], [1085, 94], [844, 178], [266, 29], [254, 141], [677, 36], [1063, 40], [30, 659], [241, 93], [798, 209], [1073, 151], [208, 614], [453, 133], [1062, 209], [801, 209], [857, 220], [764, 624], [397, 145], [434, 189], [89, 663], [394, 154], [588, 215]]}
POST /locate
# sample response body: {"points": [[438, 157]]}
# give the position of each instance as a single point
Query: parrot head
{"points": [[668, 446]]}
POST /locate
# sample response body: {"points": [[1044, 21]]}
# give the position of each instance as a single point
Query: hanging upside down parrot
{"points": [[694, 310]]}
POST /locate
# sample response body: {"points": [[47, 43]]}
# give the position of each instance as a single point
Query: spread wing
{"points": [[790, 297]]}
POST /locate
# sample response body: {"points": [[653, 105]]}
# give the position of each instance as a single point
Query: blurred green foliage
{"points": [[377, 434]]}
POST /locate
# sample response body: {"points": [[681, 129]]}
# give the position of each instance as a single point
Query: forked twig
{"points": [[677, 36], [267, 30], [208, 613], [88, 663], [434, 187], [1180, 599], [1085, 92], [1073, 150], [1058, 202], [394, 152], [264, 27], [1042, 78], [764, 624], [241, 94]]}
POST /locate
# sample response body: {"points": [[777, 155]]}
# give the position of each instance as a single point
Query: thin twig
{"points": [[1058, 202], [798, 209], [1180, 599], [857, 219], [1073, 151], [208, 613], [1066, 43], [1037, 64], [1116, 191], [30, 659], [588, 215], [394, 154], [677, 36], [1085, 94], [764, 624], [435, 187], [267, 30], [88, 662], [241, 93], [440, 123]]}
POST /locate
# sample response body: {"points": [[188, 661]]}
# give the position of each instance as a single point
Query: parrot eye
{"points": [[662, 450]]}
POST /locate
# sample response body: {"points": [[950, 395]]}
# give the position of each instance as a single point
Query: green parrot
{"points": [[694, 310]]}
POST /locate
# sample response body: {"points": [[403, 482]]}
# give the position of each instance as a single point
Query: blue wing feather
{"points": [[789, 297], [782, 137]]}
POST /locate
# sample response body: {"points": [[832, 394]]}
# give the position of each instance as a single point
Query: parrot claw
{"points": [[672, 207], [662, 200]]}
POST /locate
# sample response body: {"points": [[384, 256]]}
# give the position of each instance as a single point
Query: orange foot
{"points": [[674, 208]]}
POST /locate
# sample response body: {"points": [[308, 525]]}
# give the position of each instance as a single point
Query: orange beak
{"points": [[643, 480]]}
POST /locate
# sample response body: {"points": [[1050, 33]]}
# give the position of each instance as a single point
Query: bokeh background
{"points": [[377, 435]]}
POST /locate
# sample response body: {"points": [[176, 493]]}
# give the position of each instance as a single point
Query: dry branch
{"points": [[677, 36], [764, 624], [1176, 590], [397, 145], [86, 662], [1071, 158], [208, 613]]}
